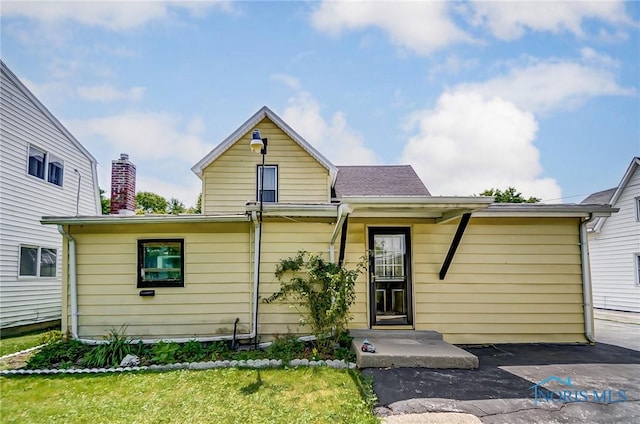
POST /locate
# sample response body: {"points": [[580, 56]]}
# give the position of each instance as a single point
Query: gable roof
{"points": [[248, 126], [15, 80], [600, 198], [392, 180], [617, 192]]}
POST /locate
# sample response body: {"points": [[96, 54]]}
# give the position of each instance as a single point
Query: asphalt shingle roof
{"points": [[600, 198], [391, 180]]}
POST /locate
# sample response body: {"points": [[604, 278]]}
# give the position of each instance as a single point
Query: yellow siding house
{"points": [[475, 271]]}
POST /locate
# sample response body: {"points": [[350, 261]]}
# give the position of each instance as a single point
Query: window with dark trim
{"points": [[637, 204], [47, 167], [270, 183], [38, 261], [636, 258], [161, 263]]}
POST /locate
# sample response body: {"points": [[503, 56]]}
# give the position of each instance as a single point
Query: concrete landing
{"points": [[409, 349]]}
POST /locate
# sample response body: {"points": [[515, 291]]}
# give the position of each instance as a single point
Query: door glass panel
{"points": [[389, 253], [389, 278]]}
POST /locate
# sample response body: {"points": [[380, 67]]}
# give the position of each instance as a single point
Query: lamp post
{"points": [[259, 145]]}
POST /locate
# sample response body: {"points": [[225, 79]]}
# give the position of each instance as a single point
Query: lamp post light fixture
{"points": [[258, 145]]}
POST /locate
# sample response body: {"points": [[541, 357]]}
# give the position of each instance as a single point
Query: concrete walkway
{"points": [[500, 390]]}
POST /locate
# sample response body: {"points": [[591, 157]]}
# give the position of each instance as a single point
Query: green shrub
{"points": [[219, 350], [191, 351], [165, 352], [110, 353], [245, 355], [325, 291], [286, 348], [50, 336], [58, 353]]}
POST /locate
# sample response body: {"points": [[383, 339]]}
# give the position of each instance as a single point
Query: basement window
{"points": [[161, 263]]}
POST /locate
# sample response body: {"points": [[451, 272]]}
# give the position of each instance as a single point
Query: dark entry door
{"points": [[389, 276]]}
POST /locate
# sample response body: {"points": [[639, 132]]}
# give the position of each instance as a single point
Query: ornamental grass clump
{"points": [[325, 292], [111, 353]]}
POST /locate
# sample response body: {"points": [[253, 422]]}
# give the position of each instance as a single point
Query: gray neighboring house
{"points": [[44, 170], [614, 245]]}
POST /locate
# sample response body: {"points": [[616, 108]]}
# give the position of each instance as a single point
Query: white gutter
{"points": [[176, 340], [343, 211], [141, 219], [73, 282], [586, 281]]}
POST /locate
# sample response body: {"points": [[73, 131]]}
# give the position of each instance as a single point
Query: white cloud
{"points": [[509, 20], [418, 26], [291, 82], [108, 93], [334, 138], [49, 93], [113, 15], [543, 86], [452, 65], [152, 136], [468, 143]]}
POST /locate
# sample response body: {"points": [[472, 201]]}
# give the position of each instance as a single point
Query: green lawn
{"points": [[18, 343], [303, 395]]}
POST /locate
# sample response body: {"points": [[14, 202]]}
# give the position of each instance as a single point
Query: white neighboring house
{"points": [[614, 245], [44, 170]]}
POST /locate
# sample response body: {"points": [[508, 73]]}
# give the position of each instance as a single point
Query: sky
{"points": [[543, 96]]}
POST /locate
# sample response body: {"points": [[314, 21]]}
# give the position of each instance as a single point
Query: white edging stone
{"points": [[251, 363]]}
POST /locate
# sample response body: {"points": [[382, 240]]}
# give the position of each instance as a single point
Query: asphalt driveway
{"points": [[503, 388]]}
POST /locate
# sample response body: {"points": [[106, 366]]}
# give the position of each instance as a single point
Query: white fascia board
{"points": [[547, 211], [248, 126], [429, 202], [141, 219]]}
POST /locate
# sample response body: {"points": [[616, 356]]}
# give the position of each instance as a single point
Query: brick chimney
{"points": [[123, 186]]}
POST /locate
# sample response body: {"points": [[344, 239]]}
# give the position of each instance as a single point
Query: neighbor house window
{"points": [[38, 261], [37, 161], [636, 258], [55, 171], [637, 199], [45, 166], [270, 183], [161, 263]]}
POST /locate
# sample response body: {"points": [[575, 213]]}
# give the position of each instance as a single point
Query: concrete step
{"points": [[397, 334], [409, 349]]}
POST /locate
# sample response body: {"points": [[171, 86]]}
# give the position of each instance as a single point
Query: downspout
{"points": [[257, 224], [586, 281], [73, 282]]}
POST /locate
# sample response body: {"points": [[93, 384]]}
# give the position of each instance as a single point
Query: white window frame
{"points": [[38, 262], [48, 160], [636, 268], [637, 205], [51, 159], [259, 181]]}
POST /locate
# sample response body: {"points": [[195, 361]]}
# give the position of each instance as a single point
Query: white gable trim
{"points": [[635, 163], [248, 126]]}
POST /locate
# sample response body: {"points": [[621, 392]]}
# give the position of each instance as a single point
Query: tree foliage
{"points": [[147, 202], [509, 195], [174, 206], [324, 290], [105, 203], [197, 208]]}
